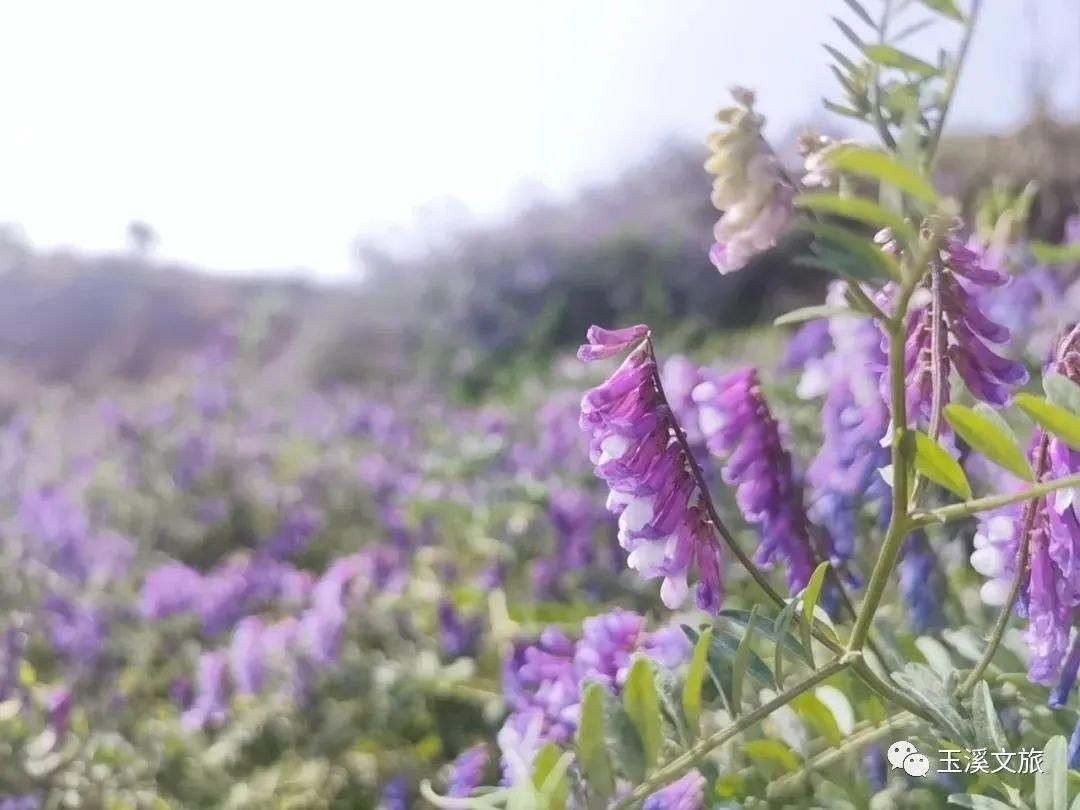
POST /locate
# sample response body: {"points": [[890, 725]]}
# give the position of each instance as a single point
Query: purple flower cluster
{"points": [[686, 793], [542, 681], [635, 446], [1050, 528], [467, 771], [964, 275], [739, 428]]}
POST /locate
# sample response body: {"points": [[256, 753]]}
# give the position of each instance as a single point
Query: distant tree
{"points": [[142, 238]]}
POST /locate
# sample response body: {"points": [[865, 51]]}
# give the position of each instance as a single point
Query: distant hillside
{"points": [[488, 301]]}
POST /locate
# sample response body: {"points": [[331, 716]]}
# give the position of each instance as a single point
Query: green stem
{"points": [[687, 760], [950, 86], [794, 784], [879, 120], [898, 522], [958, 511]]}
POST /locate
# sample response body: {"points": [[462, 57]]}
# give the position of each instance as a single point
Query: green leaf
{"points": [[813, 591], [592, 752], [861, 12], [847, 31], [987, 438], [815, 313], [946, 8], [725, 646], [914, 28], [890, 57], [932, 461], [772, 751], [628, 755], [773, 634], [885, 169], [1051, 418], [859, 210], [780, 628], [549, 775], [863, 260], [840, 109], [810, 708], [742, 661], [984, 716], [923, 685], [695, 679], [1052, 781], [1046, 253], [643, 707], [1063, 392], [976, 802], [841, 58]]}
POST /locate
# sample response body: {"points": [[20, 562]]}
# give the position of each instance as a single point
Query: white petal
{"points": [[988, 561], [994, 592], [710, 419], [613, 447], [646, 557], [638, 512], [674, 590]]}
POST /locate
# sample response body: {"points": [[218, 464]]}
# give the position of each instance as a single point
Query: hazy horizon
{"points": [[263, 137]]}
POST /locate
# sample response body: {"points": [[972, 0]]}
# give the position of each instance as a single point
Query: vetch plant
{"points": [[923, 387]]}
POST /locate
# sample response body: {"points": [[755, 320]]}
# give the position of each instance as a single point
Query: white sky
{"points": [[267, 135]]}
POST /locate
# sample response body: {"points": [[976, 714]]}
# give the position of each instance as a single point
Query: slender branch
{"points": [[1023, 554], [688, 759], [958, 511], [950, 86], [794, 784]]}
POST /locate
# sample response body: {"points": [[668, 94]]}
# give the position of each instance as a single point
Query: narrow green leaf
{"points": [[946, 8], [976, 802], [841, 58], [914, 28], [888, 56], [592, 752], [988, 731], [643, 707], [868, 261], [987, 438], [847, 31], [861, 12], [932, 461], [772, 751], [773, 634], [815, 313], [780, 629], [1046, 253], [879, 166], [813, 591], [1063, 392], [627, 752], [859, 210], [1052, 781], [810, 708], [695, 679], [742, 660], [1055, 420], [840, 109], [724, 648], [922, 684]]}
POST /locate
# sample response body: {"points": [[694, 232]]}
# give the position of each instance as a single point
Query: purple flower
{"points": [[28, 801], [246, 662], [739, 428], [459, 638], [170, 590], [211, 704], [467, 771], [395, 795], [687, 793], [811, 341], [58, 705], [918, 585], [78, 631], [634, 446], [964, 276], [296, 527], [1060, 696]]}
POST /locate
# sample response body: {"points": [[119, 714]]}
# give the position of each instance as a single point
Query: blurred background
{"points": [[289, 454], [391, 174]]}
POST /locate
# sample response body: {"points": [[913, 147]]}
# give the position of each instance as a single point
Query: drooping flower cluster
{"points": [[634, 443], [963, 275], [740, 429], [748, 187], [1050, 529], [543, 681]]}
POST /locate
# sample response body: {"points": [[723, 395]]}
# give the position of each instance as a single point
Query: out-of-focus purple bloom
{"points": [[459, 638], [680, 376], [740, 429], [77, 631], [58, 706], [195, 456], [181, 692], [395, 795], [211, 704], [877, 768], [246, 661], [687, 793], [634, 445], [12, 647], [296, 527], [811, 341], [467, 771], [919, 586], [172, 589], [748, 187], [28, 801], [1060, 696], [608, 642]]}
